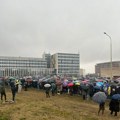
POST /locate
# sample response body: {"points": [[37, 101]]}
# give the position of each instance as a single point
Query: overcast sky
{"points": [[30, 27]]}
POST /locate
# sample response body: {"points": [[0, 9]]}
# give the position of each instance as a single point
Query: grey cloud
{"points": [[30, 27]]}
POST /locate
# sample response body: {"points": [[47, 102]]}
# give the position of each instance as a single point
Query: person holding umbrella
{"points": [[101, 107], [47, 89], [114, 105], [13, 89], [100, 98]]}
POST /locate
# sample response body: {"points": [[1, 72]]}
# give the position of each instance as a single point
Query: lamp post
{"points": [[110, 55]]}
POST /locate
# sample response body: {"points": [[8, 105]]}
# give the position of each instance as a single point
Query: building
{"points": [[65, 64], [104, 69], [47, 57], [22, 66], [59, 64]]}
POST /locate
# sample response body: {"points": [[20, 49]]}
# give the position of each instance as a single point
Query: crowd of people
{"points": [[85, 88]]}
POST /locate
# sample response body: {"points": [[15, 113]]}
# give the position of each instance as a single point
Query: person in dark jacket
{"points": [[114, 106], [47, 87], [2, 90], [25, 86], [13, 89], [101, 107], [47, 91], [53, 88]]}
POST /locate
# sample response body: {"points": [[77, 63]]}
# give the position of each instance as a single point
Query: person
{"points": [[25, 86], [19, 88], [47, 91], [53, 88], [84, 93], [101, 107], [16, 84], [2, 90], [13, 89], [114, 106], [70, 90]]}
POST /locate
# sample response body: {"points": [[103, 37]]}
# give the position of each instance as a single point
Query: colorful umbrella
{"points": [[99, 80], [116, 97], [99, 97], [70, 84], [77, 83], [99, 84], [85, 82], [65, 84]]}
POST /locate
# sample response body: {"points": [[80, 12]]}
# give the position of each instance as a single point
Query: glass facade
{"points": [[66, 63], [22, 66], [59, 63]]}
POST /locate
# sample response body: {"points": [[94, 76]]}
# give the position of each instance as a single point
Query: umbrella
{"points": [[85, 82], [65, 84], [97, 87], [99, 80], [99, 84], [28, 80], [77, 83], [99, 97], [47, 85], [116, 96], [52, 81], [12, 78], [70, 84]]}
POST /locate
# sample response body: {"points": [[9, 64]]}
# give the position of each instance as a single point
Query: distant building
{"points": [[65, 64], [47, 57], [59, 63], [104, 69], [22, 66]]}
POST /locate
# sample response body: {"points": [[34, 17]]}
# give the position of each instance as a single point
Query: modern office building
{"points": [[22, 66], [104, 69], [59, 64], [47, 57], [66, 64]]}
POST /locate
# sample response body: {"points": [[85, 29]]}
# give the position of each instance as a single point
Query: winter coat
{"points": [[2, 86], [13, 86], [114, 105], [2, 89], [53, 86]]}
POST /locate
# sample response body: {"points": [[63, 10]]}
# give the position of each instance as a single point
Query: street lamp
{"points": [[110, 55]]}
